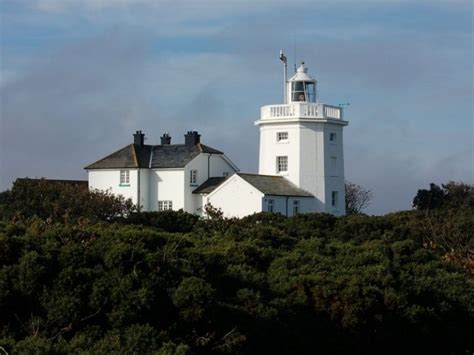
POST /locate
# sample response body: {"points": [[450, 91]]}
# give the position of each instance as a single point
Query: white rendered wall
{"points": [[207, 165], [284, 204], [109, 180], [270, 149], [236, 198], [167, 185], [144, 177], [310, 160], [192, 201], [335, 180]]}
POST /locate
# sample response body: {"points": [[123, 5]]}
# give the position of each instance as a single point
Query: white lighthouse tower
{"points": [[302, 140]]}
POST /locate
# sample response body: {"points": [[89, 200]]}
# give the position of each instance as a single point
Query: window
{"points": [[296, 207], [282, 136], [165, 205], [333, 167], [125, 177], [334, 198], [270, 205], [303, 91], [193, 177], [332, 137], [282, 164], [225, 174]]}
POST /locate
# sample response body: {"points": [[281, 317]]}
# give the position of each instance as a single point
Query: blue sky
{"points": [[77, 78]]}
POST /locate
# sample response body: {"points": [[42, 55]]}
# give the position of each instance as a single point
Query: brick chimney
{"points": [[192, 138], [139, 138], [165, 139]]}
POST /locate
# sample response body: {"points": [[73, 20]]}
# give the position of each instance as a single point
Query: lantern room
{"points": [[301, 86]]}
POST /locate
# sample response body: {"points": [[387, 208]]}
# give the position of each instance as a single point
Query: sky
{"points": [[78, 77]]}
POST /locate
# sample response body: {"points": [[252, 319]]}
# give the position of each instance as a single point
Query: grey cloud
{"points": [[50, 116]]}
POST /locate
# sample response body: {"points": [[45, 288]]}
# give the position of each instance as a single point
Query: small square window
{"points": [[225, 174], [124, 177], [270, 205], [165, 205], [282, 136], [193, 177], [334, 198], [332, 137], [282, 164], [296, 207]]}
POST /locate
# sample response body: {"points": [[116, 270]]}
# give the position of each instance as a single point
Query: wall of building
{"points": [[285, 204], [167, 185], [271, 148], [314, 163], [207, 165], [109, 180], [236, 198], [144, 178], [335, 177], [313, 173]]}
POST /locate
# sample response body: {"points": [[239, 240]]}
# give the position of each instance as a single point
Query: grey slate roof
{"points": [[267, 184], [152, 156], [274, 185], [209, 185]]}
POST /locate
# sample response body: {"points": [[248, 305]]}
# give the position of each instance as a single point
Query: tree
{"points": [[357, 198], [450, 195], [429, 199]]}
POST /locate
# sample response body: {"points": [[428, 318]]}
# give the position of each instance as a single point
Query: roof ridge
{"points": [[151, 156], [135, 155], [239, 173]]}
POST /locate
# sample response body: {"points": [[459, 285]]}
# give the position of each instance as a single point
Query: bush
{"points": [[60, 202]]}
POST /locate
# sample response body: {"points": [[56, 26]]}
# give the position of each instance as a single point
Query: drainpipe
{"points": [[287, 197], [209, 165], [138, 189]]}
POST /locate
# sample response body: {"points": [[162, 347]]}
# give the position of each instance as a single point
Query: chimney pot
{"points": [[139, 138], [165, 139], [192, 138]]}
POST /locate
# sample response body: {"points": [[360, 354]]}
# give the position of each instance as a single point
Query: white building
{"points": [[302, 141], [301, 164]]}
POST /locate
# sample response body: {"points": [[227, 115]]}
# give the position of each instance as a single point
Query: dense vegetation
{"points": [[169, 283]]}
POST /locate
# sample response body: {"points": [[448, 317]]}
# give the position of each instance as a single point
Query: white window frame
{"points": [[282, 164], [165, 205], [270, 205], [282, 137], [193, 176], [124, 177], [334, 198], [296, 207]]}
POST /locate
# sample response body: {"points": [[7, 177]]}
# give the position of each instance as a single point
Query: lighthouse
{"points": [[302, 140]]}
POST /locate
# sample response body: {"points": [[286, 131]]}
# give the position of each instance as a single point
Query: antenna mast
{"points": [[285, 75]]}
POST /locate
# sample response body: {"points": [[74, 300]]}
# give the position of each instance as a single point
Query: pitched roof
{"points": [[267, 184], [274, 185], [152, 156], [209, 185]]}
